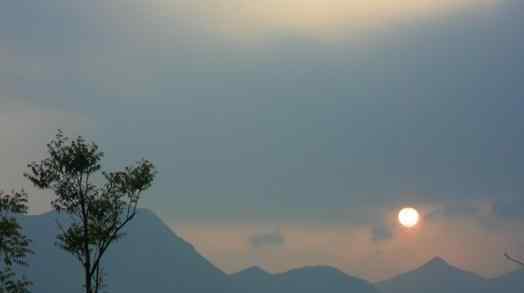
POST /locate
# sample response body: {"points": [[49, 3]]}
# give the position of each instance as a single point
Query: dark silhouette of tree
{"points": [[512, 259], [98, 213], [14, 245]]}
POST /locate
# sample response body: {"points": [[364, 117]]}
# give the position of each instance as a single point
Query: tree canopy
{"points": [[14, 245], [98, 212]]}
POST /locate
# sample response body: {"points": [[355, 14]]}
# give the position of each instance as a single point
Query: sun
{"points": [[408, 217]]}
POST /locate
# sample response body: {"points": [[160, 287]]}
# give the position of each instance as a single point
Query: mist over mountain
{"points": [[153, 257], [150, 257], [307, 279], [509, 283], [436, 276], [249, 279]]}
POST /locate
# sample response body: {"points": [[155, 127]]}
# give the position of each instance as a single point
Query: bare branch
{"points": [[512, 259]]}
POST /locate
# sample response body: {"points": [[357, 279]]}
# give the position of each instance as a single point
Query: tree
{"points": [[98, 213], [512, 259], [14, 245]]}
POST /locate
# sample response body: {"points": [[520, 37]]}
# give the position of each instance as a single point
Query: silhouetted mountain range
{"points": [[508, 283], [436, 276], [245, 280], [152, 258], [304, 280]]}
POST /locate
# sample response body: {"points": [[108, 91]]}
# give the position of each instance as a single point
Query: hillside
{"points": [[150, 257]]}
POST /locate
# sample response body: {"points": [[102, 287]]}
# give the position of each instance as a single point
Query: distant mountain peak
{"points": [[254, 270], [250, 275], [435, 276], [315, 270], [164, 259], [437, 262], [322, 272], [438, 265], [310, 279]]}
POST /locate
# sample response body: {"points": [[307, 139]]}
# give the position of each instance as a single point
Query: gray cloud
{"points": [[296, 128], [508, 208], [299, 127], [271, 239], [457, 209], [381, 233]]}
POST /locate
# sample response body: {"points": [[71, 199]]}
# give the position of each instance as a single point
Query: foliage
{"points": [[98, 212], [14, 245]]}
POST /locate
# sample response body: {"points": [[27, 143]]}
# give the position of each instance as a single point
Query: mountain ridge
{"points": [[153, 253], [150, 253], [438, 275]]}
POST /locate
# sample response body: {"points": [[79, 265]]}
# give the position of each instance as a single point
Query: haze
{"points": [[287, 133]]}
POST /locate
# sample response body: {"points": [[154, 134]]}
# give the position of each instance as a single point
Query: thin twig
{"points": [[514, 259]]}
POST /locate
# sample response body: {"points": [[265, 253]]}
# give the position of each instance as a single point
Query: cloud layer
{"points": [[24, 132], [272, 239], [462, 241], [331, 116], [324, 19]]}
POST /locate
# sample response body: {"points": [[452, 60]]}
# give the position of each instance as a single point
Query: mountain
{"points": [[153, 258], [150, 258], [252, 274], [509, 283], [249, 280], [436, 276], [303, 280]]}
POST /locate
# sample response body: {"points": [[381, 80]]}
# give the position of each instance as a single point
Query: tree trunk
{"points": [[88, 281]]}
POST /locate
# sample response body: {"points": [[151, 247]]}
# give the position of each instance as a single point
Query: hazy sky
{"points": [[287, 132]]}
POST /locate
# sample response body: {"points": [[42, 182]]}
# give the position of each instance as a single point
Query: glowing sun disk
{"points": [[408, 217]]}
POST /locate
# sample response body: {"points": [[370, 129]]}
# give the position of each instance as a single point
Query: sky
{"points": [[286, 132]]}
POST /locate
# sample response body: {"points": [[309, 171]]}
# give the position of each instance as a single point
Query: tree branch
{"points": [[512, 259], [110, 239]]}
